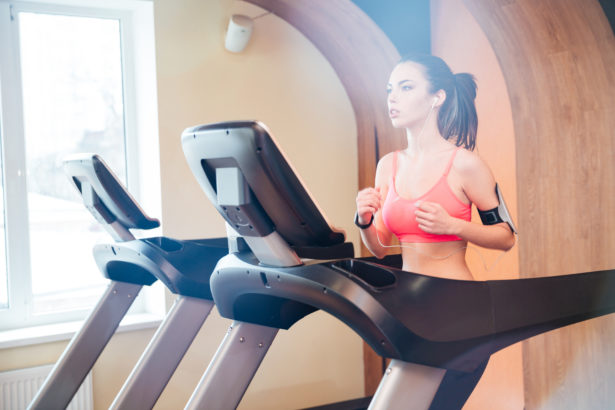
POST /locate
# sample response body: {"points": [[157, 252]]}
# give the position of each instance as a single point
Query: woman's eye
{"points": [[406, 88], [389, 90]]}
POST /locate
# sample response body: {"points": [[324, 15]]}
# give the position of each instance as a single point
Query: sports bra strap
{"points": [[450, 162], [394, 171]]}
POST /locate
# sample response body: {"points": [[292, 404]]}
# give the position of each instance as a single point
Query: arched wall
{"points": [[557, 58], [362, 56], [281, 79]]}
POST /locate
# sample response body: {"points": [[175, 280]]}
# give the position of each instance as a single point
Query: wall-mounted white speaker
{"points": [[238, 32]]}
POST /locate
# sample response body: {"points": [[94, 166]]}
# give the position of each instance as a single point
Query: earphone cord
{"points": [[426, 119], [417, 250]]}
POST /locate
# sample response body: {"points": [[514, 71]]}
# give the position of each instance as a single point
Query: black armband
{"points": [[498, 214], [490, 217]]}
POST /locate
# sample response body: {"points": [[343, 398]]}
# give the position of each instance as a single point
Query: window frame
{"points": [[140, 130]]}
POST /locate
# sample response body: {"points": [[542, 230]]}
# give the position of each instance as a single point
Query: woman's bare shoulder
{"points": [[476, 179], [470, 163], [387, 160], [384, 168]]}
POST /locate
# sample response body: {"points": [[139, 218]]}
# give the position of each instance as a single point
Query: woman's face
{"points": [[409, 99]]}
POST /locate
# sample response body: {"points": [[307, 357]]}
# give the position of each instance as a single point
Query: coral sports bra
{"points": [[398, 213]]}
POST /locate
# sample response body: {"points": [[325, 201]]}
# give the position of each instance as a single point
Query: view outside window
{"points": [[73, 103], [4, 300]]}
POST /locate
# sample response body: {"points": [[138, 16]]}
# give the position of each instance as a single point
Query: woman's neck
{"points": [[426, 140]]}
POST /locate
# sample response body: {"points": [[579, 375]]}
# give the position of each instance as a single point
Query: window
{"points": [[69, 85], [4, 297]]}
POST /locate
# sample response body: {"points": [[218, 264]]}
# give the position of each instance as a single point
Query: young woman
{"points": [[423, 194]]}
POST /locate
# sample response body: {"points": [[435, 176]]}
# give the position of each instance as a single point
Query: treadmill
{"points": [[286, 261], [183, 266]]}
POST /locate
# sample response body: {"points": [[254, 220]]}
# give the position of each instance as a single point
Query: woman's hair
{"points": [[457, 117]]}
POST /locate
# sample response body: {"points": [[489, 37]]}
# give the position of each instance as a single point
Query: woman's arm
{"points": [[369, 202], [479, 186]]}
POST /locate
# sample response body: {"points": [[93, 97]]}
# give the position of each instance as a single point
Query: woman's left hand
{"points": [[434, 219]]}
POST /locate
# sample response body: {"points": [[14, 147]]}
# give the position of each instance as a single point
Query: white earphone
{"points": [[435, 101]]}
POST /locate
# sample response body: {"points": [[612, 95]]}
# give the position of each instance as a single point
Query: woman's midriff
{"points": [[441, 259]]}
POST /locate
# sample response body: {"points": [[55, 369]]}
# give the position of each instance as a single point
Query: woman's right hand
{"points": [[368, 203]]}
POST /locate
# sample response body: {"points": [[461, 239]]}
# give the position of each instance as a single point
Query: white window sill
{"points": [[65, 331]]}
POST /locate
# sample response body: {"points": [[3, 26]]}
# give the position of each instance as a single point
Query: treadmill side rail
{"points": [[233, 366], [73, 366], [163, 354], [407, 386]]}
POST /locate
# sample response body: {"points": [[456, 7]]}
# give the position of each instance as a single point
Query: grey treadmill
{"points": [[183, 266]]}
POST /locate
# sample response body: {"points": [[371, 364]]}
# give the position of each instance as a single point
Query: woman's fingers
{"points": [[370, 197], [368, 202], [425, 212], [432, 218]]}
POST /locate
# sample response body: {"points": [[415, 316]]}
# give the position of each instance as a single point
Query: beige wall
{"points": [[459, 40], [109, 373], [282, 80]]}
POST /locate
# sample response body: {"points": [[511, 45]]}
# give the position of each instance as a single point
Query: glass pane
{"points": [[72, 91], [4, 297]]}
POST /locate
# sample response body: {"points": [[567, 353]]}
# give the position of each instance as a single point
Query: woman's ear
{"points": [[439, 98]]}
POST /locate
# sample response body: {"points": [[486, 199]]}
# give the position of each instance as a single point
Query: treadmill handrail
{"points": [[104, 194]]}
